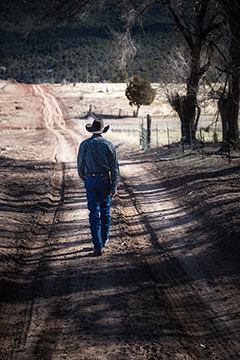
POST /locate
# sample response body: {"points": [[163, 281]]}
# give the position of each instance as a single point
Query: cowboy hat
{"points": [[97, 127]]}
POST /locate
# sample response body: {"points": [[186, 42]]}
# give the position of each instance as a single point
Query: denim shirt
{"points": [[98, 155]]}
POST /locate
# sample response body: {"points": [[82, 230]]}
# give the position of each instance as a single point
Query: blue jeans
{"points": [[97, 189]]}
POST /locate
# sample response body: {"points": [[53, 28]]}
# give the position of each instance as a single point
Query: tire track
{"points": [[35, 312], [52, 118], [30, 246]]}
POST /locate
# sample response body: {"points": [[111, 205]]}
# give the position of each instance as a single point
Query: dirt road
{"points": [[167, 286]]}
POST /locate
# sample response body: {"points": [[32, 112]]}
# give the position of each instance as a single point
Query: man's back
{"points": [[98, 155], [98, 167]]}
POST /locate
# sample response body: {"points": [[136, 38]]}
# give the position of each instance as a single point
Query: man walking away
{"points": [[98, 168]]}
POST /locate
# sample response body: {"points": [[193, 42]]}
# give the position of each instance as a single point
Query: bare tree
{"points": [[229, 102], [199, 22]]}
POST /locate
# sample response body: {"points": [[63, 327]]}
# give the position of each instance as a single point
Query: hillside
{"points": [[81, 51]]}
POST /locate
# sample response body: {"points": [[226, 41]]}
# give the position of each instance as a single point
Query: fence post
{"points": [[182, 137], [190, 126], [201, 139], [157, 134], [168, 136], [140, 131], [228, 144], [149, 121]]}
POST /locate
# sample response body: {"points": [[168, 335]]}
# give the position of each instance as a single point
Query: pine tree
{"points": [[139, 92]]}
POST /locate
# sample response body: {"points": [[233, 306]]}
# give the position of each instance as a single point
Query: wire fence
{"points": [[207, 137], [167, 136]]}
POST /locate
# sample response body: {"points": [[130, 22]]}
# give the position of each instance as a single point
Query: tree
{"points": [[139, 92], [199, 22], [229, 102], [123, 75]]}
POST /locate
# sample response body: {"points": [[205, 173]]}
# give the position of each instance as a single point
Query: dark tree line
{"points": [[76, 51]]}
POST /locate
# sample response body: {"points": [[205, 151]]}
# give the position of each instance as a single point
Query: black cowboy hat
{"points": [[97, 127]]}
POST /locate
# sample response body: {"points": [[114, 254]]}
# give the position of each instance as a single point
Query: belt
{"points": [[97, 174]]}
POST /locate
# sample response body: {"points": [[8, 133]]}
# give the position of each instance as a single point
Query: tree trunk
{"points": [[229, 106], [229, 109], [188, 124], [186, 107], [136, 113]]}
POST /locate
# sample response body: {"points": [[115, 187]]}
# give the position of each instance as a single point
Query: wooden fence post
{"points": [[149, 121]]}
